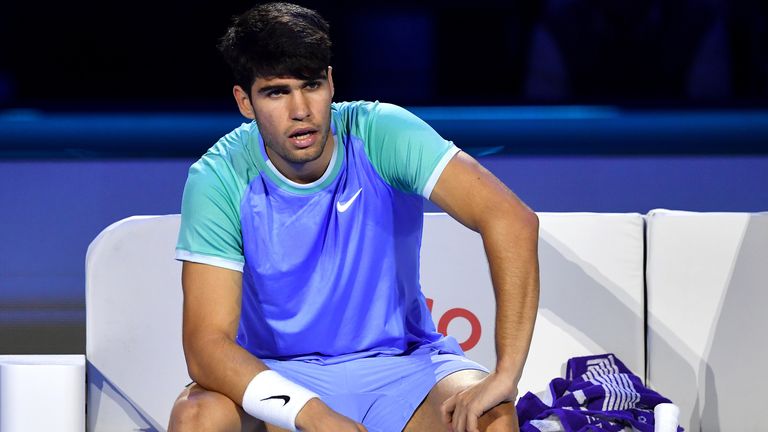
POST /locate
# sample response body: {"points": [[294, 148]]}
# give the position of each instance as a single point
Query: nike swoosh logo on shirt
{"points": [[285, 398], [343, 206]]}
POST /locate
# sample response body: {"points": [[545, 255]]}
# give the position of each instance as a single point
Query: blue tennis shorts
{"points": [[382, 393]]}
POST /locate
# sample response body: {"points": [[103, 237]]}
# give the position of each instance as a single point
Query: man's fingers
{"points": [[446, 409], [472, 422], [459, 418], [466, 415]]}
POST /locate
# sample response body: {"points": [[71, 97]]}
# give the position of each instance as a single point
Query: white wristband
{"points": [[274, 399]]}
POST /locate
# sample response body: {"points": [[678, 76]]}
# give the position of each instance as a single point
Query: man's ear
{"points": [[330, 79], [243, 102]]}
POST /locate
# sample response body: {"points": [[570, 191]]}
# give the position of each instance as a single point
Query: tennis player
{"points": [[300, 240]]}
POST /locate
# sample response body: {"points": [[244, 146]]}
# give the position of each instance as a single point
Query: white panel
{"points": [[591, 289], [42, 393], [133, 324], [455, 276], [707, 281]]}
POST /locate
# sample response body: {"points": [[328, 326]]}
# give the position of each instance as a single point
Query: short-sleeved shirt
{"points": [[331, 268]]}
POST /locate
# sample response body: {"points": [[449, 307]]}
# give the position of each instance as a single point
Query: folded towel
{"points": [[599, 393]]}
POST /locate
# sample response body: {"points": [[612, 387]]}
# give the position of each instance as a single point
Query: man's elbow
{"points": [[532, 222], [197, 350], [524, 221], [192, 357]]}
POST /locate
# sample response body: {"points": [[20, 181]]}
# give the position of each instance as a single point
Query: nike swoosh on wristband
{"points": [[285, 398], [343, 206]]}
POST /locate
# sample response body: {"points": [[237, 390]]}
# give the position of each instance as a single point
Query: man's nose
{"points": [[299, 106]]}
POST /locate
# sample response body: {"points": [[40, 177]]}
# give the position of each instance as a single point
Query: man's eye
{"points": [[313, 85], [275, 93]]}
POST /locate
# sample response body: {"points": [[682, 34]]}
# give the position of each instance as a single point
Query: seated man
{"points": [[300, 238]]}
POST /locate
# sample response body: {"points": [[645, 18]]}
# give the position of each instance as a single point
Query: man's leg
{"points": [[198, 409], [427, 417]]}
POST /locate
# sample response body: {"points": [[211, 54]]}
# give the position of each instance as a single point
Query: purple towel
{"points": [[599, 394]]}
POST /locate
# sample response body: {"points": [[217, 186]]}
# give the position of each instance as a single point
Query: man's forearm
{"points": [[217, 363], [205, 367], [511, 245]]}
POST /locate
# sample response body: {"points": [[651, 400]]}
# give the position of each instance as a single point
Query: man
{"points": [[300, 238]]}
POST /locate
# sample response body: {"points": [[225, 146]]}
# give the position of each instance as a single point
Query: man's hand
{"points": [[461, 411], [318, 417]]}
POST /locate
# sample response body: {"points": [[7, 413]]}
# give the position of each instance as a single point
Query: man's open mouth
{"points": [[303, 134]]}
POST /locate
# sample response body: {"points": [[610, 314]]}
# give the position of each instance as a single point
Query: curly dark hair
{"points": [[276, 40]]}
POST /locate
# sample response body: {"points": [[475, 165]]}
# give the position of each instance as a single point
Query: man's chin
{"points": [[307, 155], [313, 152]]}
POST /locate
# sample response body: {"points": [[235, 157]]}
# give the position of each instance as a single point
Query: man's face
{"points": [[294, 118]]}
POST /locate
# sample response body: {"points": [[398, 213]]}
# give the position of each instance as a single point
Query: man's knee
{"points": [[502, 417], [201, 410], [186, 415]]}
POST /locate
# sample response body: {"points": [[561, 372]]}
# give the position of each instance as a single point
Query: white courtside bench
{"points": [[593, 288]]}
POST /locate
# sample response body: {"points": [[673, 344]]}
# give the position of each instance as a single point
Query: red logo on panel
{"points": [[452, 314]]}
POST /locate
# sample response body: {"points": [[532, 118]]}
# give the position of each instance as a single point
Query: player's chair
{"points": [[591, 303]]}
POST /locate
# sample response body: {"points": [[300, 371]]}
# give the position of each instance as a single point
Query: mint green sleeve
{"points": [[406, 152], [210, 216]]}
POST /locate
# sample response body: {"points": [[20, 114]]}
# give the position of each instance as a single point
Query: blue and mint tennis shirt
{"points": [[331, 268]]}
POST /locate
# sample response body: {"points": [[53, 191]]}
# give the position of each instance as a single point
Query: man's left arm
{"points": [[509, 229]]}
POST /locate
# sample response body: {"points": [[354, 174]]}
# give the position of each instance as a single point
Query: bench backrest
{"points": [[591, 302], [707, 277]]}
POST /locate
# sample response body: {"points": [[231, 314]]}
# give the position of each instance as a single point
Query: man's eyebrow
{"points": [[285, 87]]}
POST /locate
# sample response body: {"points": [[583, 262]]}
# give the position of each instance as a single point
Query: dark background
{"points": [[150, 55]]}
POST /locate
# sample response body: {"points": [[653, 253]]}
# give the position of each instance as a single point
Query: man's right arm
{"points": [[212, 297]]}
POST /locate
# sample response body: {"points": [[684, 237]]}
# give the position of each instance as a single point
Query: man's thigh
{"points": [[199, 409], [427, 417]]}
